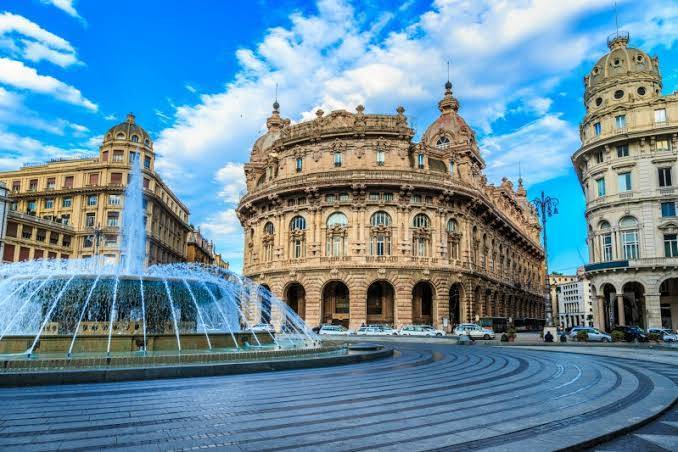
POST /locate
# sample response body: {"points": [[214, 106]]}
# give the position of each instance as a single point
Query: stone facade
{"points": [[56, 206], [350, 221], [627, 168], [199, 249], [555, 279]]}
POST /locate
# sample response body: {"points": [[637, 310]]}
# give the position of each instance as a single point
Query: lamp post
{"points": [[97, 232], [546, 207]]}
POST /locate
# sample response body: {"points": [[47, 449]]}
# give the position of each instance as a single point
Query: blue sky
{"points": [[201, 76]]}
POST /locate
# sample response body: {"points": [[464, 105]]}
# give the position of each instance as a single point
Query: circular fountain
{"points": [[88, 313]]}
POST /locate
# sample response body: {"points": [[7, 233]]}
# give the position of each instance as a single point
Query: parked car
{"points": [[336, 330], [593, 334], [631, 333], [263, 328], [375, 330], [666, 334], [419, 330], [473, 330]]}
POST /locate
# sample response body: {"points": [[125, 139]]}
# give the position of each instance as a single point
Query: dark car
{"points": [[632, 333]]}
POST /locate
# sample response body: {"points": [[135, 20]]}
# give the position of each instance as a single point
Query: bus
{"points": [[497, 324], [529, 324]]}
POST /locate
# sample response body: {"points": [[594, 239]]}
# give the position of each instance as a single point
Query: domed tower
{"points": [[627, 168], [351, 222], [125, 141]]}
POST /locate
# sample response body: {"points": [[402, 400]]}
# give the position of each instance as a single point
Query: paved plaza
{"points": [[429, 396]]}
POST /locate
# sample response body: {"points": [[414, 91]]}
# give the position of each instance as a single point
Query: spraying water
{"points": [[133, 224]]}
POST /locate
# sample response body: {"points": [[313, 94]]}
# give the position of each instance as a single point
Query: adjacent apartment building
{"points": [[627, 167], [72, 208]]}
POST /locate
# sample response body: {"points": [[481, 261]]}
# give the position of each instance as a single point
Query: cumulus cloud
{"points": [[16, 150], [232, 178], [15, 73], [25, 39], [65, 6], [223, 227]]}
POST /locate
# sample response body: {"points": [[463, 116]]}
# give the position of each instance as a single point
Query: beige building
{"points": [[73, 208], [575, 304], [555, 279], [199, 249], [350, 221], [627, 168]]}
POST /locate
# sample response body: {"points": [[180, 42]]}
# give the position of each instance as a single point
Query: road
{"points": [[429, 396]]}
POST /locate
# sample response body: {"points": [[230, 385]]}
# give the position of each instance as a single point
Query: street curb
{"points": [[14, 379]]}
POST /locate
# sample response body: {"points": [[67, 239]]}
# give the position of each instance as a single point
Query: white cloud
{"points": [[542, 148], [27, 40], [191, 88], [224, 227], [17, 150], [64, 5], [110, 117], [18, 75], [232, 178]]}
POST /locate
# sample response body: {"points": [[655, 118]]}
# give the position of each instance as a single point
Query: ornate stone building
{"points": [[350, 221], [626, 165], [73, 208]]}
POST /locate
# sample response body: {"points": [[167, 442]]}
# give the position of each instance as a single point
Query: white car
{"points": [[335, 330], [375, 330], [666, 334], [474, 331], [593, 334], [263, 328], [420, 330]]}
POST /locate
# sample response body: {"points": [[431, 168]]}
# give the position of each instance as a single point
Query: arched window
{"points": [[120, 136], [628, 227], [147, 142], [380, 234], [380, 219], [298, 222], [453, 238], [135, 138], [420, 161], [421, 221], [605, 241], [443, 142], [336, 234], [337, 219], [451, 225], [269, 228]]}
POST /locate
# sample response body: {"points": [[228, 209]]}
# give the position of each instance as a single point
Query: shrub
{"points": [[654, 337], [582, 336], [617, 336], [511, 333]]}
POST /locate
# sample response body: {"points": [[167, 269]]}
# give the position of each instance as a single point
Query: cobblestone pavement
{"points": [[430, 396]]}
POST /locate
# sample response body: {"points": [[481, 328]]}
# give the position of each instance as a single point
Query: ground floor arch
{"points": [[380, 303], [633, 305], [609, 298], [454, 307], [668, 303], [336, 304], [295, 298], [422, 303]]}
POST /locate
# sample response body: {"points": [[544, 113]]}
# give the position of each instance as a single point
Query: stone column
{"points": [[653, 318], [620, 309], [599, 312]]}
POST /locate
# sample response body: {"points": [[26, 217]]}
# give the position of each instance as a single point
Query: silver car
{"points": [[593, 334], [666, 334]]}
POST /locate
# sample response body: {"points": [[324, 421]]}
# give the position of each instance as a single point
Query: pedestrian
{"points": [[548, 337]]}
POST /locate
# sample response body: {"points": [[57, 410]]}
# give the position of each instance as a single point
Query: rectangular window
{"points": [[660, 116], [388, 196], [92, 200], [49, 203], [300, 164], [623, 150], [662, 145], [40, 235], [597, 129], [624, 180], [16, 185], [94, 179], [600, 184], [112, 219], [67, 202], [420, 161], [374, 196], [630, 244], [664, 177], [620, 121], [147, 162], [65, 219], [381, 157], [329, 198], [451, 168], [343, 196], [27, 232], [297, 249], [68, 182], [8, 253], [104, 156], [147, 182], [337, 159], [114, 200], [416, 198], [111, 239], [607, 247], [51, 183], [30, 207], [90, 218], [116, 178], [88, 241], [33, 185], [24, 253], [118, 156], [599, 155], [671, 245], [669, 209]]}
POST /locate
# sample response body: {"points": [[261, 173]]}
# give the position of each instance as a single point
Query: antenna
{"points": [[616, 17], [276, 91], [520, 176], [448, 70]]}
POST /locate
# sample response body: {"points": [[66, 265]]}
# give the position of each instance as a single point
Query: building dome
{"points": [[450, 130], [129, 131], [623, 64]]}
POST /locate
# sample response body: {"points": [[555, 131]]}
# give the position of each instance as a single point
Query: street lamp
{"points": [[97, 232], [546, 207]]}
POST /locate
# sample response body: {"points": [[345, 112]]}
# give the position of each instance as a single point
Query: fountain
{"points": [[68, 311]]}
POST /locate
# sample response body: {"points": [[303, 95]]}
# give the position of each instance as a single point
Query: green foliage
{"points": [[654, 337], [617, 336], [511, 332], [582, 336]]}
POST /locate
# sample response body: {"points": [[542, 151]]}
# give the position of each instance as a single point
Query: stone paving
{"points": [[430, 396]]}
